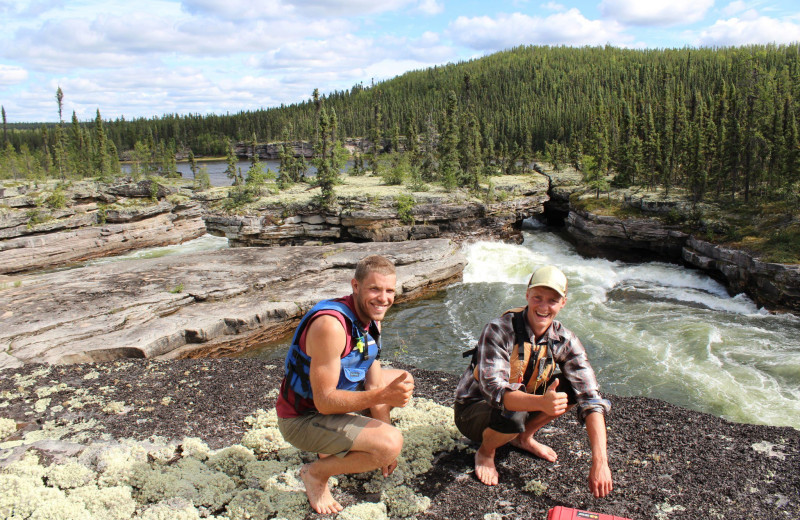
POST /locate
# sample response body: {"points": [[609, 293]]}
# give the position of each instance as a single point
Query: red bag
{"points": [[567, 513]]}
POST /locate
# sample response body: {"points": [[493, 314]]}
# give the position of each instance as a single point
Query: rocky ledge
{"points": [[89, 220], [377, 221], [201, 304], [649, 234], [666, 462]]}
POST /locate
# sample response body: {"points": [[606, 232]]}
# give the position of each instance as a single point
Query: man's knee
{"points": [[394, 444], [387, 444]]}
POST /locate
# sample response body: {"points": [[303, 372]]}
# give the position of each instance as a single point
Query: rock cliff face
{"points": [[381, 221], [93, 223], [201, 304], [774, 286]]}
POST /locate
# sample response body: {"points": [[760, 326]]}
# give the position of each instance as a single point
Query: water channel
{"points": [[216, 169], [651, 329]]}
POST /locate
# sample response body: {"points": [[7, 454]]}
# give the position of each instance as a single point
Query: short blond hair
{"points": [[373, 263]]}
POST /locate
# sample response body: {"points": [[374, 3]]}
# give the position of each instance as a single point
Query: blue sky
{"points": [[143, 58]]}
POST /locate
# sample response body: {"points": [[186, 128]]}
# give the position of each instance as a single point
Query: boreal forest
{"points": [[717, 123]]}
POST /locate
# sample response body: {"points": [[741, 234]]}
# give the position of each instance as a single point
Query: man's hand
{"points": [[398, 392], [554, 403], [600, 479]]}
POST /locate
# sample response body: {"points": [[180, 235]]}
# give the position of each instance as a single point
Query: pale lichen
{"points": [[41, 405], [537, 487], [71, 474], [250, 504], [262, 419], [172, 509], [264, 441], [403, 502], [7, 427], [114, 407], [364, 511], [231, 460], [195, 448], [111, 503], [45, 391]]}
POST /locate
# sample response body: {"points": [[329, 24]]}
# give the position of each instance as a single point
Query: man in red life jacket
{"points": [[332, 374], [506, 397]]}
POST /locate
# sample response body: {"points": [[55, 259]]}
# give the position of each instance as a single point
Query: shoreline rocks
{"points": [[381, 221], [773, 286], [92, 224], [200, 304]]}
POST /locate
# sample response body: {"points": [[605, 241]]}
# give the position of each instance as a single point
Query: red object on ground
{"points": [[567, 513]]}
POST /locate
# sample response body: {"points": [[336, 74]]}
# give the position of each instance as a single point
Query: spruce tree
{"points": [[449, 168]]}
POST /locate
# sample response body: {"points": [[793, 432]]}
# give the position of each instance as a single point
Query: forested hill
{"points": [[710, 120]]}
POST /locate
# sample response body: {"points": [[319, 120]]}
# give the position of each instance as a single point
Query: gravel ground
{"points": [[667, 462]]}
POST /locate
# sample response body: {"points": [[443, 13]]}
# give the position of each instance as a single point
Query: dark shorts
{"points": [[473, 417], [318, 433]]}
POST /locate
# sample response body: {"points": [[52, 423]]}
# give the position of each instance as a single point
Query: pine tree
{"points": [[102, 164], [231, 171], [192, 164], [375, 138], [327, 175], [448, 147], [5, 126]]}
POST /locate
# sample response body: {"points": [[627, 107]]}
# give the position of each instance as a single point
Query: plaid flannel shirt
{"points": [[494, 352]]}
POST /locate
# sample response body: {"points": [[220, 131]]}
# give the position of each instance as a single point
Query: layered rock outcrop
{"points": [[200, 304], [772, 285], [377, 221], [89, 222]]}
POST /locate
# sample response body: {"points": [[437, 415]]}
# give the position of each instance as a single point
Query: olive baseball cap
{"points": [[549, 276]]}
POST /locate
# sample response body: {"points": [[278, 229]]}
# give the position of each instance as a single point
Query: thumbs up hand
{"points": [[554, 403]]}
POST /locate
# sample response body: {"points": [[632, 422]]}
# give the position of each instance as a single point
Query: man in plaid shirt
{"points": [[493, 411]]}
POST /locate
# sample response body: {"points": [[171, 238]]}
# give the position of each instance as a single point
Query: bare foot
{"points": [[318, 493], [536, 448], [485, 469]]}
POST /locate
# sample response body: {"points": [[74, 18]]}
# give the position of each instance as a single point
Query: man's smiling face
{"points": [[373, 296], [544, 304]]}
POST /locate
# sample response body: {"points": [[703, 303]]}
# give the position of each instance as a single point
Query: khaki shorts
{"points": [[318, 433]]}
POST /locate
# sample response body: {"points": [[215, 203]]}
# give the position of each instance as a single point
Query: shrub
{"points": [[405, 207]]}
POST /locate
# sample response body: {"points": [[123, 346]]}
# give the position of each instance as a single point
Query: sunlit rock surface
{"points": [[197, 304]]}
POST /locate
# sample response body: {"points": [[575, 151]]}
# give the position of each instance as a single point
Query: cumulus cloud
{"points": [[750, 29], [554, 6], [308, 9], [563, 28], [11, 75], [430, 7], [655, 12], [734, 8]]}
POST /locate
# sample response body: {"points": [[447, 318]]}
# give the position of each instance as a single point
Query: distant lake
{"points": [[216, 169]]}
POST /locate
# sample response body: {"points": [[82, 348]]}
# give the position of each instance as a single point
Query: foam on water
{"points": [[206, 242]]}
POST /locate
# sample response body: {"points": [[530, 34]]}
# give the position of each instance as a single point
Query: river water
{"points": [[651, 329], [216, 169]]}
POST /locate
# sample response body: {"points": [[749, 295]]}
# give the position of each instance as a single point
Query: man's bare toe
{"points": [[536, 448], [485, 469], [318, 493]]}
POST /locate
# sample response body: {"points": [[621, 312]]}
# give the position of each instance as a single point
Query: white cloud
{"points": [[430, 7], [11, 75], [307, 9], [655, 12], [567, 28], [734, 8], [750, 29], [239, 9], [554, 6]]}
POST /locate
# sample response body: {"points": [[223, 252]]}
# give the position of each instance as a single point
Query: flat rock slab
{"points": [[206, 303]]}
